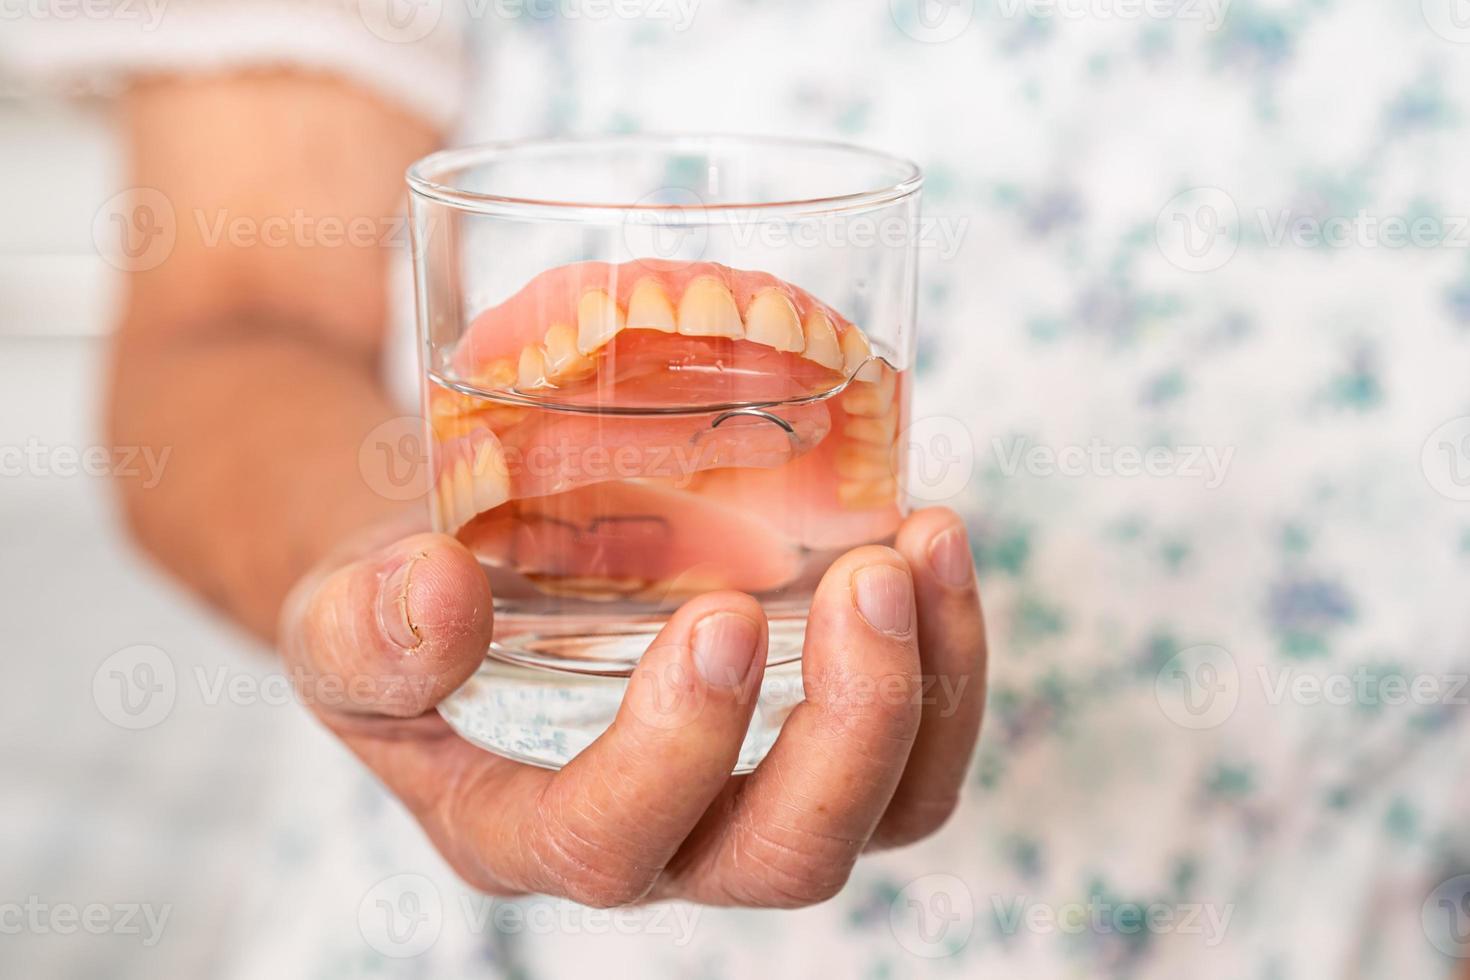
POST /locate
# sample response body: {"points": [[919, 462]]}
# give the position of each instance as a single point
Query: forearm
{"points": [[261, 421], [255, 364]]}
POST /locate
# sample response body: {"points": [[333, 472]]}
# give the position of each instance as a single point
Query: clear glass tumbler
{"points": [[655, 367]]}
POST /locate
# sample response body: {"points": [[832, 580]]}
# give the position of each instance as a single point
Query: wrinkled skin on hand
{"points": [[650, 811]]}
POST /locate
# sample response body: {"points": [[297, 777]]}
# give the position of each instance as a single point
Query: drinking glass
{"points": [[655, 366]]}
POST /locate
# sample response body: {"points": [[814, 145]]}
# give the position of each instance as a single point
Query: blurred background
{"points": [[95, 812], [1241, 228]]}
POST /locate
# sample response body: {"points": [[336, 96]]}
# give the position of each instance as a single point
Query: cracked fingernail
{"points": [[393, 611]]}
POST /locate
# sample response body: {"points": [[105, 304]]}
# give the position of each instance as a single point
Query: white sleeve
{"points": [[410, 52]]}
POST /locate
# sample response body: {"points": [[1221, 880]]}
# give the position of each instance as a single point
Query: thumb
{"points": [[392, 633]]}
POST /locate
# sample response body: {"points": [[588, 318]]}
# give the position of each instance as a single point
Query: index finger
{"points": [[792, 833], [601, 830]]}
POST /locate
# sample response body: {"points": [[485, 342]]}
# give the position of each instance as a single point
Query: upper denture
{"points": [[771, 319], [702, 299], [707, 309], [649, 307]]}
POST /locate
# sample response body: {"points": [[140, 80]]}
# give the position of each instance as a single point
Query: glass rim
{"points": [[424, 177]]}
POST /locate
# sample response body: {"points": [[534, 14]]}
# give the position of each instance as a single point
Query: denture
{"points": [[655, 429]]}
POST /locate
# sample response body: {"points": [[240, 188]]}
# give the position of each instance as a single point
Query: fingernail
{"points": [[393, 610], [724, 646], [885, 598], [949, 557]]}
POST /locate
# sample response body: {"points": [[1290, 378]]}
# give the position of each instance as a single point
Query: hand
{"points": [[874, 757]]}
